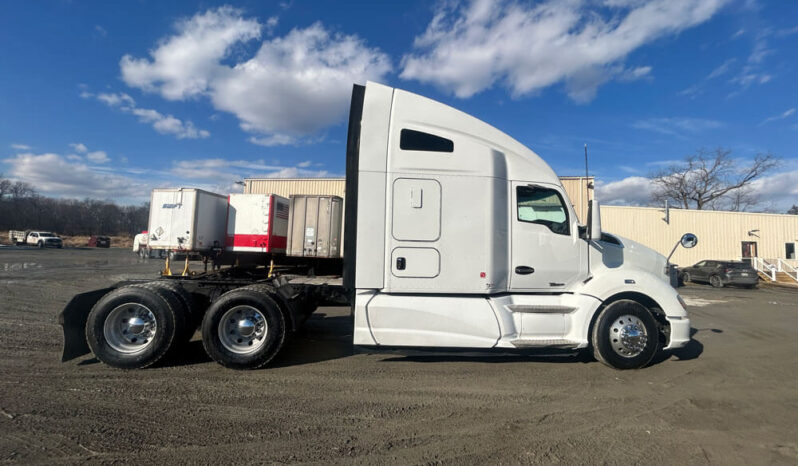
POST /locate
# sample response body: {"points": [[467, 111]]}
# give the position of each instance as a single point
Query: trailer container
{"points": [[256, 223], [187, 219], [314, 226]]}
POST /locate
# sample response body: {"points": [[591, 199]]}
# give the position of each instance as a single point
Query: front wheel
{"points": [[40, 245], [686, 277], [715, 281], [244, 328], [625, 335]]}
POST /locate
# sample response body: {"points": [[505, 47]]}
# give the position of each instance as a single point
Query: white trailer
{"points": [[186, 219], [455, 236], [257, 223]]}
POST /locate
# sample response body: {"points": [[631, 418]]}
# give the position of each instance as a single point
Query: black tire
{"points": [[192, 316], [167, 321], [603, 343], [716, 281], [257, 297], [185, 327], [40, 244], [686, 277]]}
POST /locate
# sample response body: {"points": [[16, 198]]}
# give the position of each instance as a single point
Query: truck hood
{"points": [[641, 257]]}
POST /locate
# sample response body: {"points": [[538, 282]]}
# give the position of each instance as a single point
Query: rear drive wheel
{"points": [[243, 329], [625, 335], [132, 327], [715, 281]]}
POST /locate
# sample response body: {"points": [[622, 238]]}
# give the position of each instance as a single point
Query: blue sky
{"points": [[110, 99]]}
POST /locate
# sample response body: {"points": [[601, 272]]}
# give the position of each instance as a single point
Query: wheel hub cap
{"points": [[136, 325], [246, 327], [628, 336], [243, 329], [130, 328]]}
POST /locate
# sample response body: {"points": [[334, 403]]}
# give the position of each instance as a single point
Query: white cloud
{"points": [[164, 124], [17, 146], [785, 114], [775, 193], [79, 147], [54, 175], [220, 174], [722, 69], [184, 64], [778, 192], [98, 156], [100, 31], [293, 87], [677, 126], [526, 48], [633, 190]]}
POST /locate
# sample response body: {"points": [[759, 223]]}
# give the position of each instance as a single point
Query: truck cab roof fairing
{"points": [[512, 160]]}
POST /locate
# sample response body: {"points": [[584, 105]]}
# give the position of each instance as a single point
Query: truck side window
{"points": [[543, 206], [417, 140]]}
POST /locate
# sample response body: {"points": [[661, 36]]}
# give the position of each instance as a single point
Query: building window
{"points": [[789, 251], [417, 140], [544, 207]]}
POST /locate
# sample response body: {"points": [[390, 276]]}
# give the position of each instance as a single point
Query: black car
{"points": [[721, 273], [99, 241]]}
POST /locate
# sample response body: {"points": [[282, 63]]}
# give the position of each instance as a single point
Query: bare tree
{"points": [[711, 180], [793, 210]]}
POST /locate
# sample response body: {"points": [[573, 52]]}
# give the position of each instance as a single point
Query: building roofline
{"points": [[718, 212], [295, 179]]}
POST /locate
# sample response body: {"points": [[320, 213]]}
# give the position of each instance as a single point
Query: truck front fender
{"points": [[73, 321], [613, 282]]}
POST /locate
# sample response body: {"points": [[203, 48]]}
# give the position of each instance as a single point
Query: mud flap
{"points": [[73, 320]]}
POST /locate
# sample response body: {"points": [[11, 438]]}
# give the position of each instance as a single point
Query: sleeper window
{"points": [[543, 206], [417, 140]]}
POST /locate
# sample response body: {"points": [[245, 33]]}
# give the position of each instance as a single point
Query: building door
{"points": [[749, 250], [790, 251]]}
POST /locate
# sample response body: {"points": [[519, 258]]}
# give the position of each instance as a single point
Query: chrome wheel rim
{"points": [[714, 280], [687, 277], [243, 329], [130, 328], [628, 336]]}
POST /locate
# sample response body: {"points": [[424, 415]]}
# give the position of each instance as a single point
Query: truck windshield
{"points": [[46, 234], [543, 206]]}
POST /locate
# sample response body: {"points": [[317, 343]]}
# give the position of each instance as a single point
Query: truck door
{"points": [[547, 253]]}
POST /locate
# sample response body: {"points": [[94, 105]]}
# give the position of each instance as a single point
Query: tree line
{"points": [[22, 208]]}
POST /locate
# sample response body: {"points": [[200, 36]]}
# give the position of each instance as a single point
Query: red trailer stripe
{"points": [[257, 241]]}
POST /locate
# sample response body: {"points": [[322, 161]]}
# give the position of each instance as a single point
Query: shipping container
{"points": [[187, 219], [314, 226], [257, 223]]}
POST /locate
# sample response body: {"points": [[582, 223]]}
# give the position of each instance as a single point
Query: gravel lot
{"points": [[729, 398]]}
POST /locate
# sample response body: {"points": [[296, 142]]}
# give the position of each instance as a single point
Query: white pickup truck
{"points": [[40, 239]]}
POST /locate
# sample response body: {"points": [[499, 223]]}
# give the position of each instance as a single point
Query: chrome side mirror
{"points": [[688, 240]]}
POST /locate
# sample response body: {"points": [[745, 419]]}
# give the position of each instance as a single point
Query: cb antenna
{"points": [[589, 217]]}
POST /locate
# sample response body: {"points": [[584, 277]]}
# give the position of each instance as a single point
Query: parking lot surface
{"points": [[730, 397]]}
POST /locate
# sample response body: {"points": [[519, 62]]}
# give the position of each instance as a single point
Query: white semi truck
{"points": [[456, 236]]}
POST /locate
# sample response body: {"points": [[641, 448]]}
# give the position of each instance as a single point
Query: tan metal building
{"points": [[575, 186], [721, 235]]}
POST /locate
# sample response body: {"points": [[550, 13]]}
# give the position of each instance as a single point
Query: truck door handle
{"points": [[524, 270]]}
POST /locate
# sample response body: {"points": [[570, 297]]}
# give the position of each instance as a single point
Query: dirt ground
{"points": [[731, 397]]}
